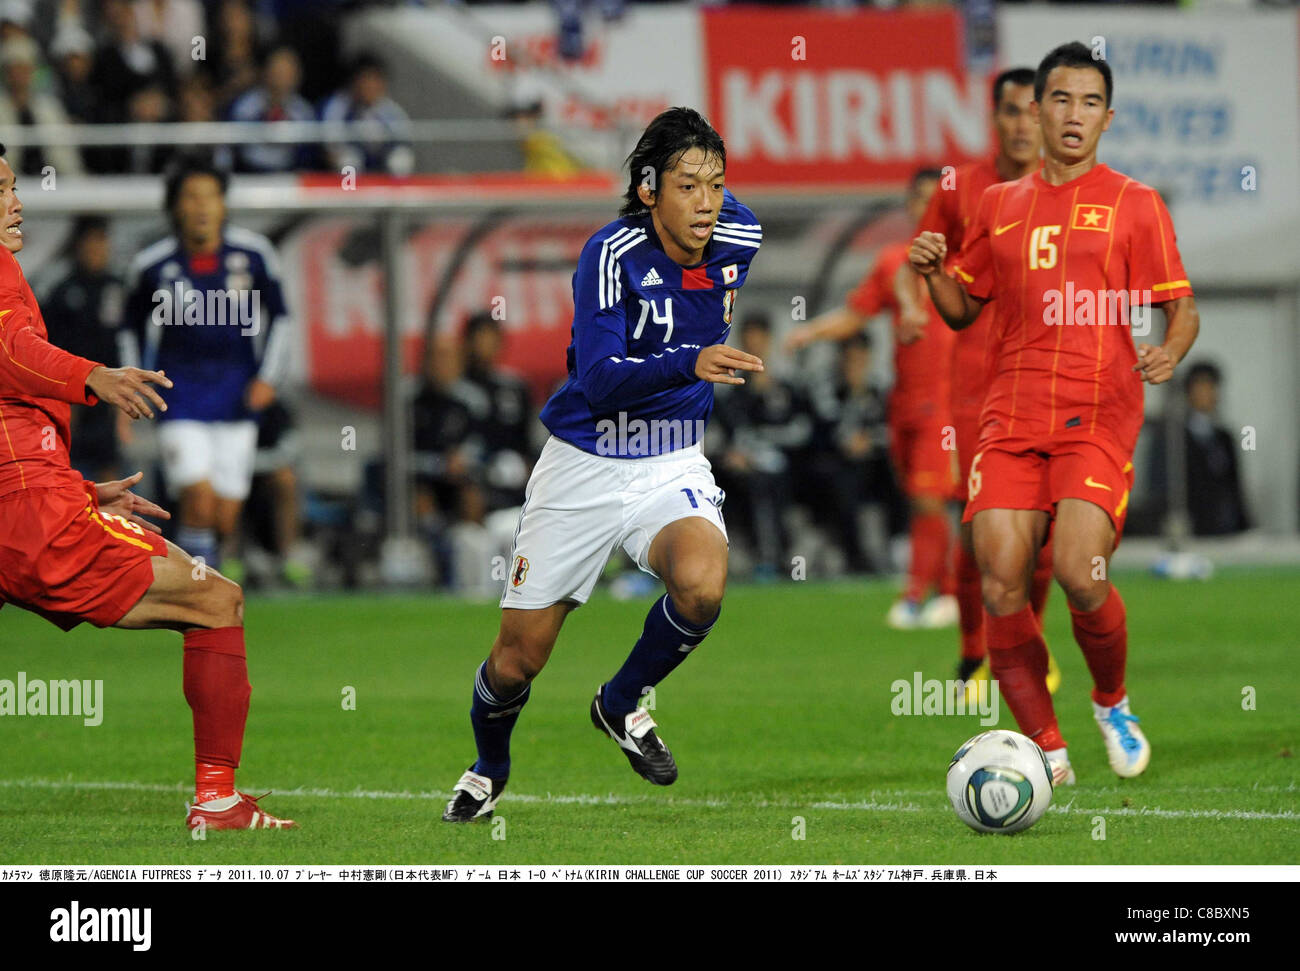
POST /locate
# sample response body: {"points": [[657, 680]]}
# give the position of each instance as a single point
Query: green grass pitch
{"points": [[784, 712]]}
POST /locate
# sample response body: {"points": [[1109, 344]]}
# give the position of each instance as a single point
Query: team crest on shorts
{"points": [[520, 572]]}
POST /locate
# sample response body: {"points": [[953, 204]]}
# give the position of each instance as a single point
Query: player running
{"points": [[950, 212], [918, 413], [653, 297], [205, 304], [1063, 251], [73, 551]]}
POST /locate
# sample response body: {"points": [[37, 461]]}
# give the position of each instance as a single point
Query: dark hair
{"points": [[196, 165], [1073, 54], [923, 175], [757, 320], [366, 61], [1023, 76], [1204, 369], [83, 225], [861, 340], [483, 320], [671, 135]]}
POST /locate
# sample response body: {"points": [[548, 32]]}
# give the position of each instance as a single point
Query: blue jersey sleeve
{"points": [[610, 379]]}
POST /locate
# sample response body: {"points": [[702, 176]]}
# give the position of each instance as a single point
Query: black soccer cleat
{"points": [[635, 735], [474, 797]]}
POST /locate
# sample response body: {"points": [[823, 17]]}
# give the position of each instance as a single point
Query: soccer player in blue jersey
{"points": [[206, 306], [653, 299]]}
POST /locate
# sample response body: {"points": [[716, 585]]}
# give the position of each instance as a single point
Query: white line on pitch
{"points": [[870, 805]]}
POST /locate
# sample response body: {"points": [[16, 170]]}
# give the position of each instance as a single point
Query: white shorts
{"points": [[579, 507], [219, 452]]}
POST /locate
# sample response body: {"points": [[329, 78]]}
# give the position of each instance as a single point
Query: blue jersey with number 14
{"points": [[640, 321]]}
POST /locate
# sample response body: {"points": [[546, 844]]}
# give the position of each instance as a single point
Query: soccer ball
{"points": [[999, 782]]}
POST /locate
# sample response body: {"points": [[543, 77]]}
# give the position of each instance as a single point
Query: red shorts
{"points": [[967, 425], [62, 558], [1038, 479], [923, 465]]}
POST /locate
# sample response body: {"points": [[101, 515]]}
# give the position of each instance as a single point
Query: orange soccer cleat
{"points": [[244, 813]]}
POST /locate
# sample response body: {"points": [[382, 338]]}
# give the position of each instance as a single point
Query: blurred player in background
{"points": [[950, 212], [1063, 251], [74, 551], [918, 415], [206, 305], [82, 314], [653, 297]]}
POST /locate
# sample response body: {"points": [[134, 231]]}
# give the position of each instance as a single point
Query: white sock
{"points": [[217, 805]]}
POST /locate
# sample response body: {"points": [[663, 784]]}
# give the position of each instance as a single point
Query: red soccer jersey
{"points": [[950, 212], [37, 382], [921, 378], [1064, 263]]}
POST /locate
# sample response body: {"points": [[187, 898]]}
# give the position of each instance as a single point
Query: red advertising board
{"points": [[826, 98]]}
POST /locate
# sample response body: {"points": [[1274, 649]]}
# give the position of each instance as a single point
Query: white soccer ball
{"points": [[999, 782]]}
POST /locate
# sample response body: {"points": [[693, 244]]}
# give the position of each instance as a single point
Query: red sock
{"points": [[930, 539], [1103, 636], [1018, 661], [970, 605], [1041, 584], [217, 689]]}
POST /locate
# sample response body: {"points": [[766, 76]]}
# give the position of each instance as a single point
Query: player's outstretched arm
{"points": [[117, 498], [834, 325], [1182, 324], [128, 388], [716, 364], [957, 307]]}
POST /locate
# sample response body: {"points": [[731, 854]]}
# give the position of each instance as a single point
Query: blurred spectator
{"points": [[366, 99], [15, 19], [126, 63], [272, 514], [275, 99], [232, 61], [149, 105], [499, 411], [174, 24], [21, 104], [543, 151], [445, 460], [447, 466], [766, 422], [1215, 503], [850, 463], [73, 52], [82, 314]]}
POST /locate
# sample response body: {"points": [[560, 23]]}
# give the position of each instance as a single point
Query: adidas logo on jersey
{"points": [[651, 278]]}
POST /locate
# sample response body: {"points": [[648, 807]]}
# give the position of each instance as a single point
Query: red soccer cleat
{"points": [[245, 814]]}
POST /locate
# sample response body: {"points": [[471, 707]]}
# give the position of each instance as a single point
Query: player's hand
{"points": [[911, 325], [927, 253], [1154, 362], [117, 498], [128, 388], [259, 395], [717, 364]]}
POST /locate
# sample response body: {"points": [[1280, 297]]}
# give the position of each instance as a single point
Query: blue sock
{"points": [[666, 641], [493, 721], [199, 542]]}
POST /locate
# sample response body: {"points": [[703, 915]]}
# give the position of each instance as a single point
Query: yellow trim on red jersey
{"points": [[1170, 286]]}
